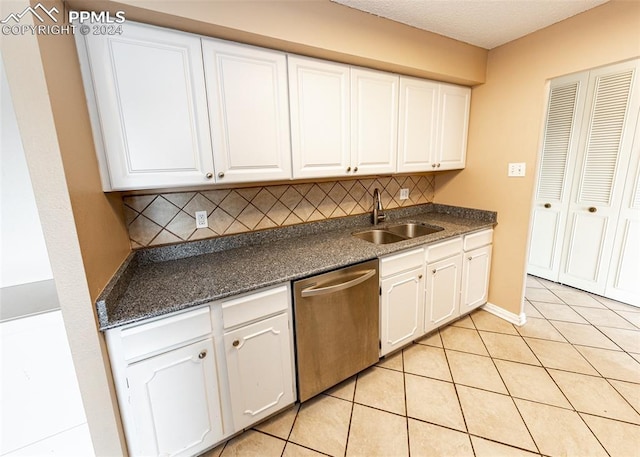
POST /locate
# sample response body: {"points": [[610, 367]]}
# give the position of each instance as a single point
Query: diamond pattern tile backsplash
{"points": [[169, 218]]}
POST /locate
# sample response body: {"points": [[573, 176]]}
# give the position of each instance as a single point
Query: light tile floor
{"points": [[567, 383]]}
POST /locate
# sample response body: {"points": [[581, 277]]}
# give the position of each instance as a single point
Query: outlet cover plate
{"points": [[517, 169], [404, 194], [201, 219]]}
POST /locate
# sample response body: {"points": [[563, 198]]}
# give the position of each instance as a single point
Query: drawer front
{"points": [[253, 306], [443, 250], [165, 333], [404, 261], [478, 239]]}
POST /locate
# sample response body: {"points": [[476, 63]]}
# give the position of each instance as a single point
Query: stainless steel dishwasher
{"points": [[337, 326]]}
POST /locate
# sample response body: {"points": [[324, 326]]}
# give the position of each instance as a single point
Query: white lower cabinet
{"points": [[187, 381], [401, 299], [259, 368], [426, 288], [174, 401], [443, 291]]}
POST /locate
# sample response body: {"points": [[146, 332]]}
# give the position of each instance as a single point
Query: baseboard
{"points": [[515, 319]]}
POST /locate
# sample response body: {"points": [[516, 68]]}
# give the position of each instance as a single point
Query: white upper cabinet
{"points": [[374, 121], [320, 117], [150, 107], [433, 124], [418, 124], [249, 110], [452, 127]]}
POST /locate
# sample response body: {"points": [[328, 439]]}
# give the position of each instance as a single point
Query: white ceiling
{"points": [[484, 23]]}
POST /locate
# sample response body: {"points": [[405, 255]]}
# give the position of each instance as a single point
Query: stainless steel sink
{"points": [[413, 230], [378, 236], [396, 233]]}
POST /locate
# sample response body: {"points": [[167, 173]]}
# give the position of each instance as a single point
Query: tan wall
{"points": [[318, 28], [506, 119], [41, 79]]}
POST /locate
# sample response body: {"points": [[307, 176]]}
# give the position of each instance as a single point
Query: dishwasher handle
{"points": [[312, 290]]}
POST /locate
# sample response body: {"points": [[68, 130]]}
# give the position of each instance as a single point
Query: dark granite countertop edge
{"points": [[112, 294]]}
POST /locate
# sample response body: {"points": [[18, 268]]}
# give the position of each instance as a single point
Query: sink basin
{"points": [[413, 230], [377, 236], [398, 232]]}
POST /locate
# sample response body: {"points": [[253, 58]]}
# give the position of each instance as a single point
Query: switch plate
{"points": [[404, 194], [517, 169], [201, 219]]}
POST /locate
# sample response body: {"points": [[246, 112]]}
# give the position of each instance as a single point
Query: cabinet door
{"points": [[259, 362], [476, 266], [558, 158], [417, 125], [598, 183], [150, 103], [175, 402], [320, 107], [374, 121], [443, 291], [453, 126], [249, 109], [401, 309]]}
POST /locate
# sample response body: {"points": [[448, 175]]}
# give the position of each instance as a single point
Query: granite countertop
{"points": [[156, 281]]}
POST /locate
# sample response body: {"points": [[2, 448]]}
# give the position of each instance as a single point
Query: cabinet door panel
{"points": [[402, 309], [175, 403], [475, 278], [248, 104], [374, 121], [151, 104], [443, 291], [260, 369], [454, 121], [418, 121], [320, 107]]}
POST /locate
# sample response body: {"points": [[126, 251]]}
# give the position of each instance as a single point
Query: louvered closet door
{"points": [[623, 283], [558, 158], [598, 183]]}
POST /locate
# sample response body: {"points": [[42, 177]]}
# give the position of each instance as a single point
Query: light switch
{"points": [[517, 169]]}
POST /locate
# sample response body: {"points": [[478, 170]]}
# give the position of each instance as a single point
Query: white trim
{"points": [[515, 319]]}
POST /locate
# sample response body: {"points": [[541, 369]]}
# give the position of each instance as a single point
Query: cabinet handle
{"points": [[202, 355], [355, 170], [209, 175], [547, 205], [593, 209], [221, 174], [236, 343]]}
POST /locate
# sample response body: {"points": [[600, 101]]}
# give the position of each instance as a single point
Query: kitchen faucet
{"points": [[378, 214]]}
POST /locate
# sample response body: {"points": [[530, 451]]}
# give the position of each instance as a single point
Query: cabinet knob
{"points": [[348, 169], [593, 209], [221, 174], [438, 165], [355, 170], [547, 205], [433, 165], [236, 343], [202, 355], [419, 276], [469, 258], [433, 271], [209, 175]]}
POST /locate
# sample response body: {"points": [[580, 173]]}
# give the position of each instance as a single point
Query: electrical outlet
{"points": [[404, 194], [517, 169], [201, 219]]}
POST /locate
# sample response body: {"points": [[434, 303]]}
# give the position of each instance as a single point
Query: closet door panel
{"points": [[598, 186]]}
